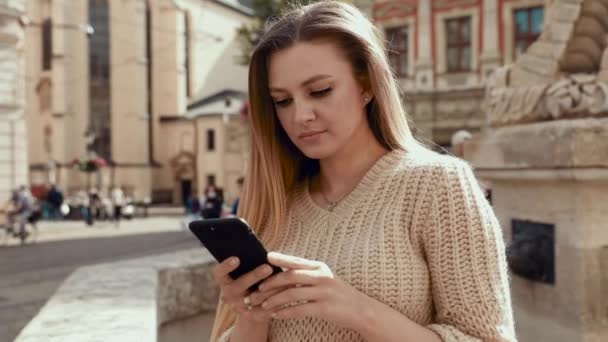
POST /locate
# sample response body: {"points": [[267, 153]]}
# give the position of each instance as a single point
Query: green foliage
{"points": [[249, 35]]}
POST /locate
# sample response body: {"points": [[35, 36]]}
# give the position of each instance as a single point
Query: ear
{"points": [[366, 97]]}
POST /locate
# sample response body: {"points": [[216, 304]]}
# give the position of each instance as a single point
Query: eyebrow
{"points": [[308, 81]]}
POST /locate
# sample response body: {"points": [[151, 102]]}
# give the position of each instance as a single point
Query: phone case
{"points": [[227, 237]]}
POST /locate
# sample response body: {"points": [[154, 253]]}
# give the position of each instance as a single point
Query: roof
{"points": [[219, 96], [241, 6]]}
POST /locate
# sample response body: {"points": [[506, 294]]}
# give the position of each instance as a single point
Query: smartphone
{"points": [[227, 237]]}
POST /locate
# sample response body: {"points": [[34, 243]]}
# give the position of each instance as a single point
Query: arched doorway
{"points": [[184, 172]]}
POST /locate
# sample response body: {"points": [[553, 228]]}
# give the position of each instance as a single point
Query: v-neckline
{"points": [[312, 212]]}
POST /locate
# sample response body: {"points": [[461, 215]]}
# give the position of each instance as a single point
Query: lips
{"points": [[310, 134]]}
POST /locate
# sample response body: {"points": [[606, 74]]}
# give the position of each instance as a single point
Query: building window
{"points": [[210, 140], [100, 118], [210, 180], [47, 44], [458, 33], [528, 26], [187, 52], [398, 40]]}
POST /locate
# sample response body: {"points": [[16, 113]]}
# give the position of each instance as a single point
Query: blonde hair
{"points": [[276, 166]]}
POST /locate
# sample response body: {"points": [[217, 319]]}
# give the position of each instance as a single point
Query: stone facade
{"points": [[442, 101], [161, 56], [545, 154], [13, 138]]}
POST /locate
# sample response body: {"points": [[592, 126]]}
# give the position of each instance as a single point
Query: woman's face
{"points": [[318, 101]]}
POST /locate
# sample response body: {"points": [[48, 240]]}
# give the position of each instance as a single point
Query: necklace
{"points": [[330, 204]]}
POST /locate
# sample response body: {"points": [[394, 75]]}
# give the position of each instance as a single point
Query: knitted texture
{"points": [[416, 234]]}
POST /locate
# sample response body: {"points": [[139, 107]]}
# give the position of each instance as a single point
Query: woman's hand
{"points": [[234, 292], [309, 289]]}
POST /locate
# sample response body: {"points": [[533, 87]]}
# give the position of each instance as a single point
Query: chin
{"points": [[316, 152]]}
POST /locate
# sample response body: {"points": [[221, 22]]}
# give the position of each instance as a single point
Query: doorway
{"points": [[186, 190]]}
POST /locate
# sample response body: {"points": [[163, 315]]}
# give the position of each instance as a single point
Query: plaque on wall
{"points": [[531, 254]]}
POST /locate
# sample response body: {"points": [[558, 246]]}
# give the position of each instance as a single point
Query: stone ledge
{"points": [[127, 300], [574, 143]]}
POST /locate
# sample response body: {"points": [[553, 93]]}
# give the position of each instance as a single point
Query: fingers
{"points": [[291, 278], [222, 270], [234, 292], [291, 262], [290, 296], [246, 280], [258, 297], [296, 311], [256, 314]]}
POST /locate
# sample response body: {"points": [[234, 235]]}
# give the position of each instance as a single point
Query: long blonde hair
{"points": [[276, 166]]}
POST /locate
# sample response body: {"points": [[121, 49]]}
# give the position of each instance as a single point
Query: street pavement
{"points": [[30, 274]]}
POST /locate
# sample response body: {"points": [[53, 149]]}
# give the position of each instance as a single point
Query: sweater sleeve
{"points": [[466, 258]]}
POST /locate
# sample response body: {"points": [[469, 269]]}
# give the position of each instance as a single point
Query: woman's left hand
{"points": [[313, 291]]}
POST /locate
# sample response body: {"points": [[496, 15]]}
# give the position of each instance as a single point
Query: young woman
{"points": [[380, 238]]}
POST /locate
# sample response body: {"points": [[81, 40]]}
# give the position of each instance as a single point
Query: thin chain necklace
{"points": [[331, 205]]}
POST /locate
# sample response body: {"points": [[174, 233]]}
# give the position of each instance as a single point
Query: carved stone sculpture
{"points": [[562, 75]]}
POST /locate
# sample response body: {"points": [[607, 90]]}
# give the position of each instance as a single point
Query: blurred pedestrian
{"points": [[118, 201], [54, 198], [235, 205], [213, 202]]}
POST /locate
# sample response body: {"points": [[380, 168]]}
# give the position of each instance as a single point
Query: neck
{"points": [[341, 172]]}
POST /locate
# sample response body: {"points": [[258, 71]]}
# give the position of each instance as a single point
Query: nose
{"points": [[304, 112]]}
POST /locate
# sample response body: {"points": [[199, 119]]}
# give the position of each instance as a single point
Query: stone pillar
{"points": [[424, 63], [554, 173], [14, 169], [490, 56]]}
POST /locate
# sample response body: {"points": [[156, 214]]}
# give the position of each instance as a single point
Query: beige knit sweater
{"points": [[416, 234]]}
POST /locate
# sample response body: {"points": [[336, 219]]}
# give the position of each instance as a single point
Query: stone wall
{"points": [[137, 300]]}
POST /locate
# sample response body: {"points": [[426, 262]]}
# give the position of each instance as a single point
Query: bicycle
{"points": [[11, 227]]}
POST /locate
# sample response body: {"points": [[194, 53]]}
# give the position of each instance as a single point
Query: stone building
{"points": [[444, 50], [105, 73], [545, 154], [213, 146], [13, 138]]}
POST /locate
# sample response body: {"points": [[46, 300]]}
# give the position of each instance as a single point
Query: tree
{"points": [[264, 10]]}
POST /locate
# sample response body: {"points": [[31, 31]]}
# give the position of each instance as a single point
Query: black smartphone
{"points": [[227, 237]]}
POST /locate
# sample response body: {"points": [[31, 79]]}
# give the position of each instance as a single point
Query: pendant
{"points": [[331, 206]]}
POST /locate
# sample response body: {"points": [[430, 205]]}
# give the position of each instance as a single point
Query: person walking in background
{"points": [[195, 205], [25, 210], [54, 198], [380, 238], [118, 201], [235, 205], [213, 202]]}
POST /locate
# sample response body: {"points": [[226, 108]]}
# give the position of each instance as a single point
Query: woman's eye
{"points": [[321, 93], [282, 103]]}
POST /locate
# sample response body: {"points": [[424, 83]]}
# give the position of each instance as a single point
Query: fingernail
{"points": [[265, 270], [261, 287], [234, 261]]}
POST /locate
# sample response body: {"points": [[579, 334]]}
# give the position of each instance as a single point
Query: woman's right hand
{"points": [[233, 292]]}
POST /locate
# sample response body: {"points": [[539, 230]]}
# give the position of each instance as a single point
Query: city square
{"points": [[121, 121]]}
